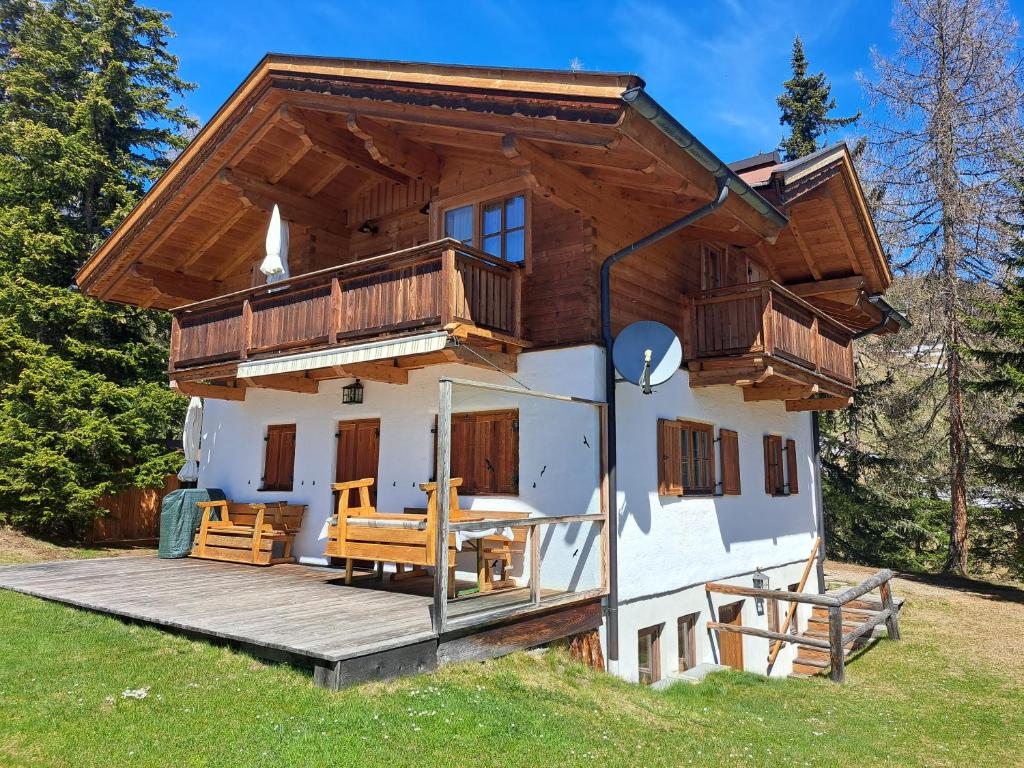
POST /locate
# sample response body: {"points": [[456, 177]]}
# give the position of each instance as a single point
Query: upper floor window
{"points": [[503, 227], [458, 223], [498, 227]]}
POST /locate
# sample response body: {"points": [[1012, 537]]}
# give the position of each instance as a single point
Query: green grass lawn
{"points": [[924, 701]]}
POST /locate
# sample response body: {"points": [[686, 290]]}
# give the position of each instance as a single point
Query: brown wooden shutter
{"points": [[791, 464], [279, 458], [773, 481], [358, 451], [485, 452], [729, 451], [670, 460]]}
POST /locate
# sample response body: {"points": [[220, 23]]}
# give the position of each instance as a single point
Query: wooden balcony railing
{"points": [[765, 318], [428, 286]]}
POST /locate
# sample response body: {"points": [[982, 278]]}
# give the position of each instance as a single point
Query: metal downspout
{"points": [[609, 389]]}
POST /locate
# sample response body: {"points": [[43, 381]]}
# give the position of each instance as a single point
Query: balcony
{"points": [[439, 286], [772, 343]]}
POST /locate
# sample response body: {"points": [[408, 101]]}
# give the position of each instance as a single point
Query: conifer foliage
{"points": [[89, 117], [805, 104]]}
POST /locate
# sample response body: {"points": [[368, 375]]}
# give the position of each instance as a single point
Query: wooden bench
{"points": [[258, 534], [359, 532]]}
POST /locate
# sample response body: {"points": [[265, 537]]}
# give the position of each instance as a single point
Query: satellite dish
{"points": [[647, 353]]}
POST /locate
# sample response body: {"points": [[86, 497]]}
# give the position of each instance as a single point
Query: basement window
{"points": [[649, 655]]}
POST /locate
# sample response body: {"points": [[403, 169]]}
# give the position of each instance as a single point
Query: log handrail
{"points": [[837, 641], [791, 613]]}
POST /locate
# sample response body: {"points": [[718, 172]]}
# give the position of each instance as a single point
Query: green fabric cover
{"points": [[180, 518]]}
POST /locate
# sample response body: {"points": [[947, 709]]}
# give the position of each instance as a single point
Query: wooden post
{"points": [[336, 308], [175, 351], [816, 343], [767, 321], [246, 340], [448, 277], [517, 302], [444, 474], [892, 623], [835, 640], [534, 565]]}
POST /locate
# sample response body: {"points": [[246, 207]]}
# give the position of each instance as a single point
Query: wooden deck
{"points": [[298, 614]]}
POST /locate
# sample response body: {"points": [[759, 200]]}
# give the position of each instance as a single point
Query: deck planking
{"points": [[301, 611]]}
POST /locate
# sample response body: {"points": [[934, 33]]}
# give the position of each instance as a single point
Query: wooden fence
{"points": [[133, 516]]}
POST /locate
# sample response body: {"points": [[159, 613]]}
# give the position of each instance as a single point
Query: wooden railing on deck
{"points": [[431, 285], [766, 318]]}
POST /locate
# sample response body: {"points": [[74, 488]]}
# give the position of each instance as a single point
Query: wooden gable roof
{"points": [[830, 252], [313, 133]]}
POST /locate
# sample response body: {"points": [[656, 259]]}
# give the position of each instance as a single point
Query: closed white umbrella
{"points": [[190, 437], [275, 264]]}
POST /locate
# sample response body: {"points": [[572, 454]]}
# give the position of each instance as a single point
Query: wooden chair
{"points": [[258, 534], [359, 532]]}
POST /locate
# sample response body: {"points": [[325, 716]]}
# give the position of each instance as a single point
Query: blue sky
{"points": [[716, 65]]}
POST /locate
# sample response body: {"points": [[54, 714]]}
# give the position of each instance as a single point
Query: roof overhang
{"points": [[566, 109]]}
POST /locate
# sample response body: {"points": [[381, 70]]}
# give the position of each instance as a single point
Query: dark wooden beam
{"points": [[785, 390], [395, 152], [330, 135], [808, 257], [294, 205], [376, 371], [177, 284], [835, 285], [289, 382], [212, 391], [819, 404], [571, 189]]}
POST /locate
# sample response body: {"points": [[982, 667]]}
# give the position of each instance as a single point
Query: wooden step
{"points": [[804, 666], [821, 625]]}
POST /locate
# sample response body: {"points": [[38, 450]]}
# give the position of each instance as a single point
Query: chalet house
{"points": [[443, 318]]}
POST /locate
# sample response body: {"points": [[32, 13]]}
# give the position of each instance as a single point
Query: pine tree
{"points": [[952, 101], [87, 120], [805, 105], [1003, 374]]}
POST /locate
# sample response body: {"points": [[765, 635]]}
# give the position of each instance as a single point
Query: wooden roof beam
{"points": [[804, 250], [212, 391], [832, 403], [844, 239], [336, 141], [834, 285], [575, 191], [288, 382], [294, 205], [214, 237], [785, 390], [177, 284], [395, 152]]}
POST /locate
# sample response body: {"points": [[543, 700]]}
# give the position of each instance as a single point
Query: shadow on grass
{"points": [[1007, 593]]}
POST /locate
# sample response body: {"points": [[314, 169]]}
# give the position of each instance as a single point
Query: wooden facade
{"points": [[367, 159]]}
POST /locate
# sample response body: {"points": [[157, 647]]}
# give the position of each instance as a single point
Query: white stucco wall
{"points": [[558, 470], [670, 546]]}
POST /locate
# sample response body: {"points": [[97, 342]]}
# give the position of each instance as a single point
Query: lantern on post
{"points": [[352, 394], [760, 582]]}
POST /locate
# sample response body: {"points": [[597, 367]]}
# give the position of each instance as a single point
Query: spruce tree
{"points": [[805, 105], [88, 118]]}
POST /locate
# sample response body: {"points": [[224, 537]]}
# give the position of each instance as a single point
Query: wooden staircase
{"points": [[811, 660]]}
